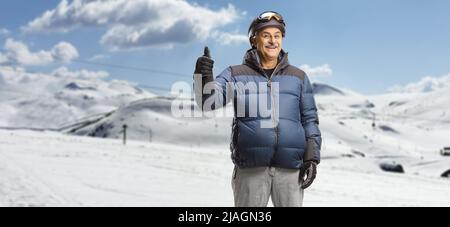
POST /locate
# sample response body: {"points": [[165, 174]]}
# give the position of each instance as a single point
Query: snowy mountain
{"points": [[152, 119], [371, 128], [325, 89], [425, 109], [404, 129], [36, 100]]}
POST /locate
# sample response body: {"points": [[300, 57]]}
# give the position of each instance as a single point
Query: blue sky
{"points": [[370, 46]]}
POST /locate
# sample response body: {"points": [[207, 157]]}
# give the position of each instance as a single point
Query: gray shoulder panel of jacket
{"points": [[293, 71], [239, 70]]}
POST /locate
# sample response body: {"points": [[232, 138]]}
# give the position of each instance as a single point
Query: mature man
{"points": [[275, 153]]}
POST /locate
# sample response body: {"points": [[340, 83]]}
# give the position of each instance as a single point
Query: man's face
{"points": [[268, 42]]}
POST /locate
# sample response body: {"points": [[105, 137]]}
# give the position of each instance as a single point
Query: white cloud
{"points": [[322, 70], [81, 74], [64, 52], [17, 52], [4, 31], [225, 38], [18, 78], [427, 84], [3, 59], [138, 23]]}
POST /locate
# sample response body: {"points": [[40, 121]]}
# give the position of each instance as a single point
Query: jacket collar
{"points": [[252, 59]]}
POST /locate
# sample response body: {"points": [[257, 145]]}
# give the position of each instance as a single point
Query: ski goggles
{"points": [[269, 15]]}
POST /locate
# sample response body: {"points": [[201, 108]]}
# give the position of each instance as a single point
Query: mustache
{"points": [[271, 46]]}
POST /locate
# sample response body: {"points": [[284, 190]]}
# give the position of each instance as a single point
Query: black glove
{"points": [[308, 170], [204, 66]]}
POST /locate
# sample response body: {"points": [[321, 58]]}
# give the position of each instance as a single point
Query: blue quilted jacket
{"points": [[294, 135]]}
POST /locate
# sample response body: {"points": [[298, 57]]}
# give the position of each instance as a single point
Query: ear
{"points": [[253, 41]]}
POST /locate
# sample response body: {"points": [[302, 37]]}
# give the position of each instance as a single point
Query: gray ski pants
{"points": [[252, 187]]}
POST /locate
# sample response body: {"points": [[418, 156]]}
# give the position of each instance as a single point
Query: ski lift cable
{"points": [[133, 68]]}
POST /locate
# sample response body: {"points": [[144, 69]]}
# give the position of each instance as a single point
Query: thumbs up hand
{"points": [[205, 64], [206, 52]]}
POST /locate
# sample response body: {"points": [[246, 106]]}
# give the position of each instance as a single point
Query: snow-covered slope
{"points": [[424, 109], [50, 169], [36, 100], [353, 127], [325, 89], [406, 129], [152, 119]]}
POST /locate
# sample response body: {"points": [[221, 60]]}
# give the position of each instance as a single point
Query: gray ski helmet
{"points": [[264, 20]]}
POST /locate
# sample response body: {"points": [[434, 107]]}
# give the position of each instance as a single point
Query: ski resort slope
{"points": [[376, 130], [52, 169]]}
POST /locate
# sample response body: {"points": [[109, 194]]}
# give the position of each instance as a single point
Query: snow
{"points": [[324, 89], [103, 172], [36, 171], [153, 118]]}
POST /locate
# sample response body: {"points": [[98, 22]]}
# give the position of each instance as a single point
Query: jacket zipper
{"points": [[275, 147]]}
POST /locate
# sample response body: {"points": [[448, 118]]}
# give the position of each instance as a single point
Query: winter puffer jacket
{"points": [[297, 130]]}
